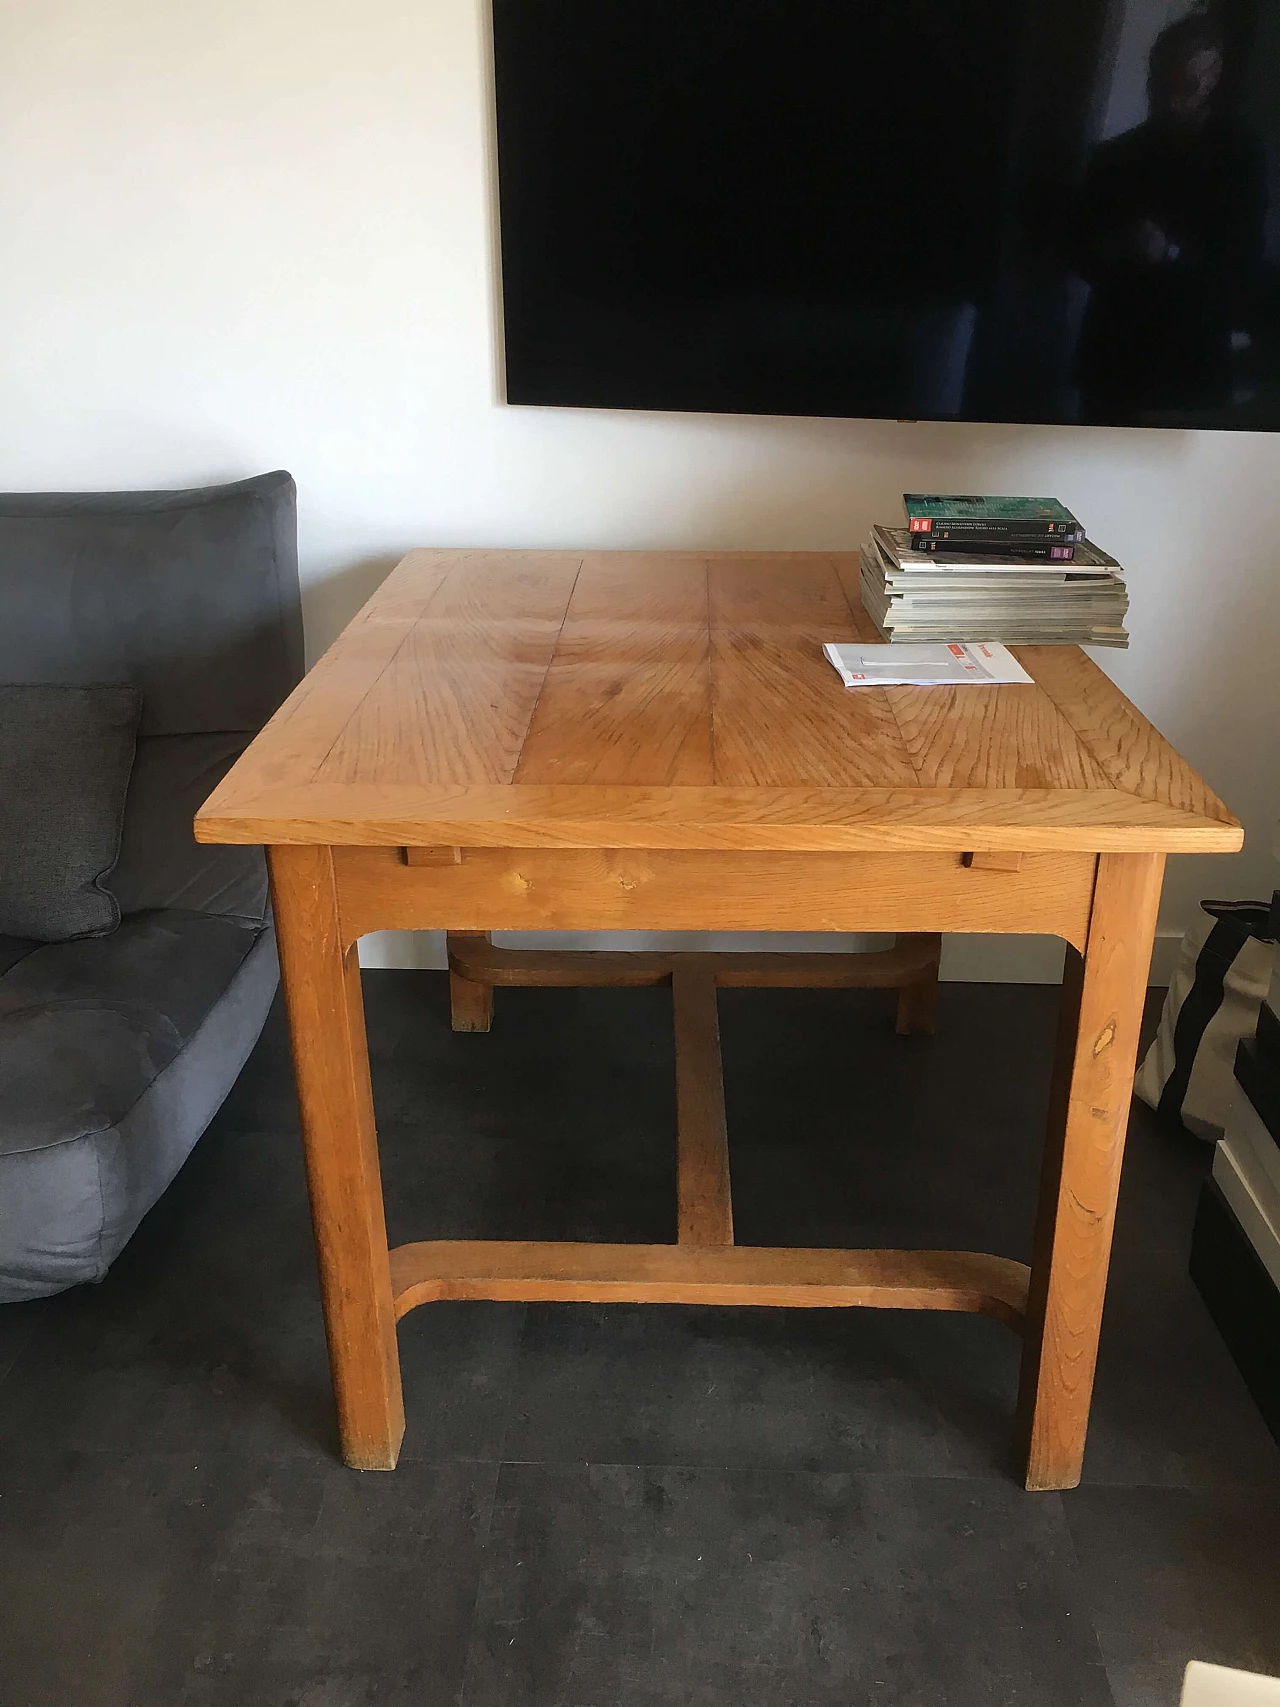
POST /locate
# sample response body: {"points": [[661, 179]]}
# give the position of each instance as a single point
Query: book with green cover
{"points": [[931, 513]]}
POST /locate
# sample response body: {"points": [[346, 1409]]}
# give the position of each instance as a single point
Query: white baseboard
{"points": [[965, 959], [1164, 957], [418, 951], [1002, 959]]}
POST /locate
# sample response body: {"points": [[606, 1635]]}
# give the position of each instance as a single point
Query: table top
{"points": [[681, 700]]}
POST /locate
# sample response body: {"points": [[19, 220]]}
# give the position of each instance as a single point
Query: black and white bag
{"points": [[1223, 973]]}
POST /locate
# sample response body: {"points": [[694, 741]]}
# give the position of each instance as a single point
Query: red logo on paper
{"points": [[922, 524], [957, 650]]}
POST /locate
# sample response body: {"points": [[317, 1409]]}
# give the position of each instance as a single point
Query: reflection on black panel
{"points": [[1021, 210]]}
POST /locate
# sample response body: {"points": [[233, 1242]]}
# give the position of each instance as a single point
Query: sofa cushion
{"points": [[191, 595], [161, 864], [65, 758], [115, 1053], [86, 1026]]}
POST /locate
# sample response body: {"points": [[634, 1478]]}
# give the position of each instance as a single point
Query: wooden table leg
{"points": [[1102, 999], [321, 982], [470, 1004], [704, 1199], [918, 1000]]}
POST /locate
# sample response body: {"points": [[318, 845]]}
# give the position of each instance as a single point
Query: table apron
{"points": [[487, 889]]}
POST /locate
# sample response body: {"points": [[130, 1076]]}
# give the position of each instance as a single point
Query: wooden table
{"points": [[653, 741]]}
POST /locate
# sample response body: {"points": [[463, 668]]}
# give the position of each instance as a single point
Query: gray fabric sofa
{"points": [[117, 1050]]}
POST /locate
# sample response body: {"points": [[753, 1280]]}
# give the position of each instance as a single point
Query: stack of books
{"points": [[1016, 570]]}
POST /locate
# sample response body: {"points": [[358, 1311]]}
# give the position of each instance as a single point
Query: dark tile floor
{"points": [[628, 1507]]}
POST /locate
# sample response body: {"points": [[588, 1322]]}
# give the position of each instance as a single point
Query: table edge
{"points": [[795, 820]]}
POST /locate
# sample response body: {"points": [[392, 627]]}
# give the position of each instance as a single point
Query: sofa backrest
{"points": [[193, 596]]}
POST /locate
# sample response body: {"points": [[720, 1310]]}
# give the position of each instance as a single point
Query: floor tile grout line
{"points": [[482, 1556], [21, 1350], [509, 1397]]}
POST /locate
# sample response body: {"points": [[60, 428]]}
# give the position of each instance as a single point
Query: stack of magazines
{"points": [[1016, 570]]}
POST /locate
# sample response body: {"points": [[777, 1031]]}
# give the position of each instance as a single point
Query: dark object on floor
{"points": [[1242, 1299], [1258, 1070], [1223, 971], [117, 1050], [1234, 1254]]}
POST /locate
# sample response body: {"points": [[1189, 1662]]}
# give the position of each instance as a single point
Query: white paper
{"points": [[983, 662], [1218, 1686]]}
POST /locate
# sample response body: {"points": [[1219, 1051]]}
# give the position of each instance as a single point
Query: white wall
{"points": [[243, 234]]}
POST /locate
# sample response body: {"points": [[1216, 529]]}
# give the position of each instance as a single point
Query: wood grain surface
{"points": [[470, 999], [321, 981], [605, 699], [618, 889], [704, 1199], [654, 741], [689, 1274], [475, 958], [799, 820], [455, 701], [779, 723], [628, 696], [1101, 1013], [1131, 751]]}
